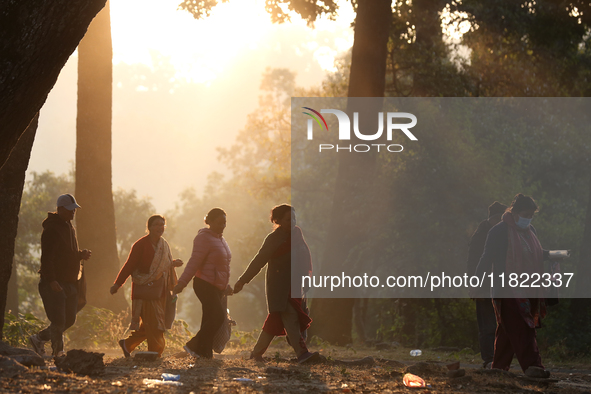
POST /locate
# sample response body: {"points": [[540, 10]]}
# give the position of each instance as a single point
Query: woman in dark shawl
{"points": [[512, 247], [286, 314]]}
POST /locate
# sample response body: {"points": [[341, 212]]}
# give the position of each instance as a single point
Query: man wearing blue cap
{"points": [[60, 272]]}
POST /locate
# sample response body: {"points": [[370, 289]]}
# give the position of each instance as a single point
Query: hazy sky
{"points": [[182, 87]]}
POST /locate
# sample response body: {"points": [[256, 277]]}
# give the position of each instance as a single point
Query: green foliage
{"points": [[97, 328], [199, 8], [318, 342], [420, 63], [18, 328], [427, 322], [279, 10], [261, 156], [178, 335], [527, 49], [245, 337], [565, 330]]}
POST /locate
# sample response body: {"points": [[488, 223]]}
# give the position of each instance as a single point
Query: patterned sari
{"points": [[161, 266]]}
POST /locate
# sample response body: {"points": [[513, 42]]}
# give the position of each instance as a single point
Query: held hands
{"points": [[238, 286], [178, 288], [228, 291], [85, 254], [114, 288], [55, 286], [177, 263]]}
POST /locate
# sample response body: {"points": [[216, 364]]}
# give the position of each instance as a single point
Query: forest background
{"points": [[510, 49]]}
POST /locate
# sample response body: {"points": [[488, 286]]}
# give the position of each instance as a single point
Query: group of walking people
{"points": [[504, 243], [507, 243], [155, 284]]}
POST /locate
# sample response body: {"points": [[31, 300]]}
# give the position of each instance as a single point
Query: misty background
{"points": [[185, 87]]}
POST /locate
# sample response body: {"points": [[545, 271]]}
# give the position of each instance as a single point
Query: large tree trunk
{"points": [[36, 39], [96, 219], [12, 181], [333, 317]]}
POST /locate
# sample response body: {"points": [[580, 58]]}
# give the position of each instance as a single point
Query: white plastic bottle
{"points": [[415, 352]]}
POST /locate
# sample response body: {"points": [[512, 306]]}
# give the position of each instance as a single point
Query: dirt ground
{"points": [[232, 372]]}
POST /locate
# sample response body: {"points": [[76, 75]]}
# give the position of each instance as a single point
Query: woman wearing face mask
{"points": [[513, 247]]}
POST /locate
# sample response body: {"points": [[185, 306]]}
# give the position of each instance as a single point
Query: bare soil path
{"points": [[233, 373]]}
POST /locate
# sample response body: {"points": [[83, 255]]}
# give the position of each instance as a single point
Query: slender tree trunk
{"points": [[584, 268], [428, 45], [96, 219], [12, 293], [580, 308], [333, 317], [36, 39], [360, 315], [12, 181]]}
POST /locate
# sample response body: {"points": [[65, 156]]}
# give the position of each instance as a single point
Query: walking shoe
{"points": [[191, 353], [537, 372], [258, 358], [37, 344], [125, 351], [308, 357]]}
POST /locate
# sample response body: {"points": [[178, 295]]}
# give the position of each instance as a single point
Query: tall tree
{"points": [[355, 175], [419, 61], [261, 157], [527, 49], [12, 179], [36, 39], [96, 219]]}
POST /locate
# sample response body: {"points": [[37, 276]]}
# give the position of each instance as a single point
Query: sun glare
{"points": [[200, 50], [455, 24]]}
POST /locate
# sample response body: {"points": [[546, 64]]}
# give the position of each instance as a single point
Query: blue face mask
{"points": [[523, 222]]}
